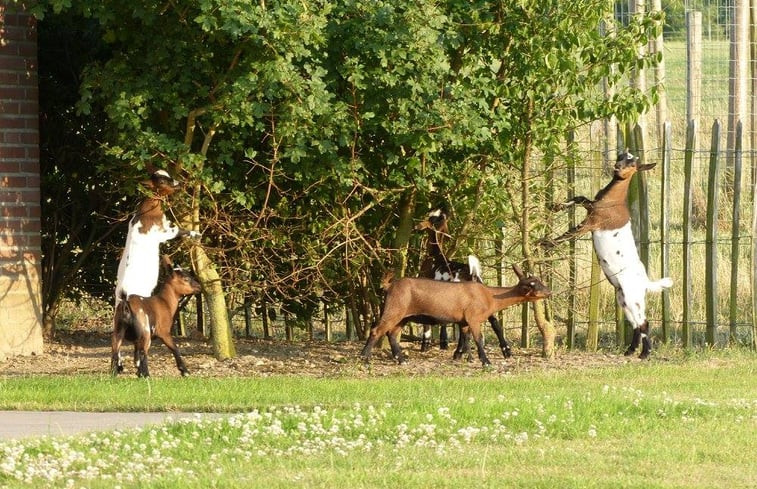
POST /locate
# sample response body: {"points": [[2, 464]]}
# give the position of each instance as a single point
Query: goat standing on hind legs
{"points": [[139, 266], [436, 266], [609, 222], [139, 319], [433, 302]]}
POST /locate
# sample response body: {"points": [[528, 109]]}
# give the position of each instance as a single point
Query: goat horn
{"points": [[518, 272]]}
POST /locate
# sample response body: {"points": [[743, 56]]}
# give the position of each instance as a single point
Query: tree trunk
{"points": [[404, 230], [546, 328], [215, 301]]}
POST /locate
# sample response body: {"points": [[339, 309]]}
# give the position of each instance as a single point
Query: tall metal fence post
{"points": [[667, 149]]}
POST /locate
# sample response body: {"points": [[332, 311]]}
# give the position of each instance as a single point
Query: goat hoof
{"points": [[444, 345], [629, 352], [644, 355], [507, 352], [184, 373]]}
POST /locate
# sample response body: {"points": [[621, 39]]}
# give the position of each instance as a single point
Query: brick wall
{"points": [[20, 296]]}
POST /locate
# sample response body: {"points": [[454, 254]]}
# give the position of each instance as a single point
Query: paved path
{"points": [[24, 424]]}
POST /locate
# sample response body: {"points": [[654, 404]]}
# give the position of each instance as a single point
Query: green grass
{"points": [[683, 423]]}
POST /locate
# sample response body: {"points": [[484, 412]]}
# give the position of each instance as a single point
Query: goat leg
{"points": [[503, 344], [443, 338], [479, 339], [634, 342], [646, 344], [426, 338], [168, 341], [577, 200], [395, 345], [463, 344], [116, 363], [142, 369]]}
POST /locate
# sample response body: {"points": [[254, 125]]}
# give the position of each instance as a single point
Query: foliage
{"points": [[79, 207], [302, 125]]}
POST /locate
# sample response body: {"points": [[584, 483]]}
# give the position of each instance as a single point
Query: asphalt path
{"points": [[26, 424]]}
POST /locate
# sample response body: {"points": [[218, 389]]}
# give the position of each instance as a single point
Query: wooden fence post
{"points": [[711, 240], [571, 326], [667, 149], [735, 233], [691, 135]]}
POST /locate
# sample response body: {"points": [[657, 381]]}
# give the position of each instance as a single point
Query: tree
{"points": [[313, 132]]}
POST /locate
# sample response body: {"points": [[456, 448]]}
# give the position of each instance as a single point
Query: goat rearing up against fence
{"points": [[140, 261], [609, 221], [432, 302], [139, 319]]}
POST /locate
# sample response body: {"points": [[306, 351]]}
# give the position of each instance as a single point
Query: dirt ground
{"points": [[87, 352]]}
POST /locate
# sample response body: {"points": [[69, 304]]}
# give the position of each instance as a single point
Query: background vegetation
{"points": [[310, 135]]}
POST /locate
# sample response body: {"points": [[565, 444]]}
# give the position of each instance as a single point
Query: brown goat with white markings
{"points": [[139, 319], [436, 266], [427, 301]]}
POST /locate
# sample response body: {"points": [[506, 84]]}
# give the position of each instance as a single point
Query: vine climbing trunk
{"points": [[207, 274], [545, 326]]}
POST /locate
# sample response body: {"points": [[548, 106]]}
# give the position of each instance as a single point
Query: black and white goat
{"points": [[609, 221], [139, 266], [436, 266], [427, 301], [140, 319]]}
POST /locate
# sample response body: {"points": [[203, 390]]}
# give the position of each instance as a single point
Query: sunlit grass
{"points": [[685, 423]]}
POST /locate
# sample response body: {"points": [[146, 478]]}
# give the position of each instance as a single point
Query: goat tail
{"points": [[659, 285], [386, 280], [474, 267]]}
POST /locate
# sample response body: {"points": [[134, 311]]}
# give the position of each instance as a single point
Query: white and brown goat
{"points": [[436, 266], [609, 221], [139, 266], [467, 304], [140, 319]]}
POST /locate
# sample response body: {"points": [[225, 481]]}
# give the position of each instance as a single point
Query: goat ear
{"points": [[166, 262], [518, 272]]}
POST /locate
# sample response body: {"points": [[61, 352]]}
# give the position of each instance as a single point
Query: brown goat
{"points": [[432, 302], [139, 319], [436, 266], [609, 221]]}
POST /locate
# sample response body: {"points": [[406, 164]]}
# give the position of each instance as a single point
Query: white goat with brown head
{"points": [[609, 222], [139, 266]]}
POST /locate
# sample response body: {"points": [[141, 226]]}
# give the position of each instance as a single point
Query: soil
{"points": [[88, 352]]}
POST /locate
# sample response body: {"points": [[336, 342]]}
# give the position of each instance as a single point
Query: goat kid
{"points": [[467, 304], [436, 266], [140, 319], [609, 221], [139, 266]]}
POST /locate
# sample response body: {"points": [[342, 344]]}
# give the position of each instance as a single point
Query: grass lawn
{"points": [[691, 422]]}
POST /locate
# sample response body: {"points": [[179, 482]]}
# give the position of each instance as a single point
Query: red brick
{"points": [[11, 181], [9, 122], [8, 78], [8, 211], [13, 93], [12, 152], [9, 166]]}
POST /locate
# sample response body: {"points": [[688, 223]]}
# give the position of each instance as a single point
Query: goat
{"points": [[432, 302], [609, 221], [139, 266], [140, 319], [436, 266]]}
